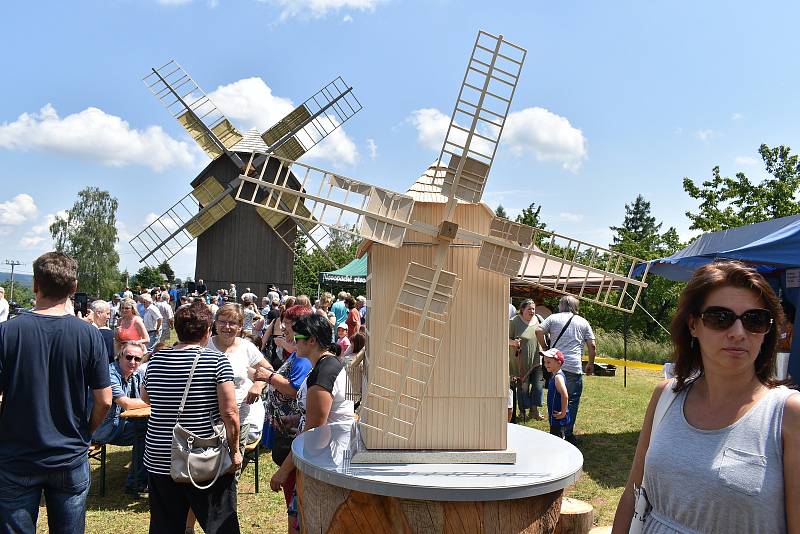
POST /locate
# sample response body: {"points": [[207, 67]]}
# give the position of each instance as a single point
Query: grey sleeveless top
{"points": [[718, 481]]}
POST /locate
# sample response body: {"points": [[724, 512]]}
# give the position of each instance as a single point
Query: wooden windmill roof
{"points": [[428, 187], [250, 142]]}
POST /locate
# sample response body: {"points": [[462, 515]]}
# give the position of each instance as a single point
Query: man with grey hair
{"points": [[152, 319], [125, 390], [100, 314], [569, 332], [162, 302]]}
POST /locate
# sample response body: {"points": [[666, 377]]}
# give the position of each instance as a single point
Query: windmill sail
{"points": [[479, 115], [312, 121], [192, 108]]}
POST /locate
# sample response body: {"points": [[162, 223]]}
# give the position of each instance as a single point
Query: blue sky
{"points": [[615, 99]]}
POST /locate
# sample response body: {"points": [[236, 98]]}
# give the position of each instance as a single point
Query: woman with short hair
{"points": [[211, 396], [725, 456], [322, 397]]}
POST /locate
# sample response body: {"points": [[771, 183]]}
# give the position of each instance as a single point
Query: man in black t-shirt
{"points": [[50, 361]]}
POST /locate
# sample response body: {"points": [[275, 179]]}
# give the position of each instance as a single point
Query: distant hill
{"points": [[22, 279]]}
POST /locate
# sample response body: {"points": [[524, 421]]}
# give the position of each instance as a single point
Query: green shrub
{"points": [[612, 345]]}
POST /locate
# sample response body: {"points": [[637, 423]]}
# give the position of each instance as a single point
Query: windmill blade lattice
{"points": [[312, 121], [177, 227], [605, 275], [414, 336], [479, 115], [329, 200], [193, 109]]}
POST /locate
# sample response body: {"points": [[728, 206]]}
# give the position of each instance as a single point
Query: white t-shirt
{"points": [[512, 311], [3, 310], [151, 317], [572, 340], [341, 408], [166, 314], [245, 356]]}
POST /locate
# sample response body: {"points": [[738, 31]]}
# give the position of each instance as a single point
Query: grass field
{"points": [[608, 426]]}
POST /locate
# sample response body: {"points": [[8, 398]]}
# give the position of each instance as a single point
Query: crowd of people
{"points": [[264, 375], [289, 374]]}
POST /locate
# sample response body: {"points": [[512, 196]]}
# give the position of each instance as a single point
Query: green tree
{"points": [[341, 248], [22, 294], [501, 212], [88, 234], [531, 216], [148, 277], [730, 202], [167, 271], [639, 236]]}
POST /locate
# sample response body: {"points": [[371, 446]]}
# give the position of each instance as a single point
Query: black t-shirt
{"points": [[324, 373], [201, 289], [273, 314], [48, 364], [108, 338]]}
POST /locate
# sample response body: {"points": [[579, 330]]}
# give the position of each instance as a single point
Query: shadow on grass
{"points": [[607, 457], [116, 476]]}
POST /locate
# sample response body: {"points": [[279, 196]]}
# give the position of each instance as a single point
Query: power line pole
{"points": [[12, 263]]}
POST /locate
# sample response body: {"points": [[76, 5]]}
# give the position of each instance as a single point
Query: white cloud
{"points": [[737, 117], [44, 227], [570, 217], [31, 241], [250, 103], [18, 210], [431, 125], [373, 148], [347, 18], [320, 8], [549, 137], [94, 135], [745, 160], [705, 135]]}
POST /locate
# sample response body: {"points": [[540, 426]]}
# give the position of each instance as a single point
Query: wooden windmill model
{"points": [[237, 243], [439, 269]]}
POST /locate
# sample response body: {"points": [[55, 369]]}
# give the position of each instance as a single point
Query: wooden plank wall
{"points": [[241, 248], [465, 403]]}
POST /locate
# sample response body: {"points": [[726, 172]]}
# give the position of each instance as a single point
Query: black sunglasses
{"points": [[130, 358], [755, 321]]}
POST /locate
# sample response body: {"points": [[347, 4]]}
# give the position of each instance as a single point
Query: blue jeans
{"points": [[529, 393], [574, 389], [154, 335], [65, 494], [126, 433]]}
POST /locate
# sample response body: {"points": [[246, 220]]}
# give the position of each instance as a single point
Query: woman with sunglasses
{"points": [[725, 456], [322, 397]]}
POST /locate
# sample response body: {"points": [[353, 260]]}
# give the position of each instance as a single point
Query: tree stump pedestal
{"points": [[339, 497]]}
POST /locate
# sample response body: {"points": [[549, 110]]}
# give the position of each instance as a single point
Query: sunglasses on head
{"points": [[755, 321], [300, 336], [130, 358]]}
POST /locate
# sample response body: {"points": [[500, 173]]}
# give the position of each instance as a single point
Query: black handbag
{"points": [[281, 447]]}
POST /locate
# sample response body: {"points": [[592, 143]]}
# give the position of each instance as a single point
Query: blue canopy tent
{"points": [[772, 247]]}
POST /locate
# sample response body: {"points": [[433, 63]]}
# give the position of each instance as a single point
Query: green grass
{"points": [[608, 426]]}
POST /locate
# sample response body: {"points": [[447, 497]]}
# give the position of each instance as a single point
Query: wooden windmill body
{"points": [[238, 243], [465, 404]]}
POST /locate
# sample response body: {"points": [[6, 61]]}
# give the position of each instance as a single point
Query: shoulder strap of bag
{"points": [[666, 399], [553, 344], [188, 383]]}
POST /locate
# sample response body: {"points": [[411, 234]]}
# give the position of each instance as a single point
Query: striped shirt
{"points": [[165, 379]]}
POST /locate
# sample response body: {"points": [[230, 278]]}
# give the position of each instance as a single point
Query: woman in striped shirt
{"points": [[211, 397]]}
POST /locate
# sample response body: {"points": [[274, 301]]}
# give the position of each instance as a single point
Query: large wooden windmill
{"points": [[439, 269], [238, 243]]}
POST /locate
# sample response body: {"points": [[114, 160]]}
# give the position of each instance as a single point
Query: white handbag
{"points": [[194, 458], [642, 507]]}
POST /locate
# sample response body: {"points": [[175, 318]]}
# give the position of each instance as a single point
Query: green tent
{"points": [[354, 273]]}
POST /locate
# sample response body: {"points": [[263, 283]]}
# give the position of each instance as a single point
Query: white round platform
{"points": [[545, 464]]}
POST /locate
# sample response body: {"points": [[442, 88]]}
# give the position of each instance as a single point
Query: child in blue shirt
{"points": [[557, 396]]}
